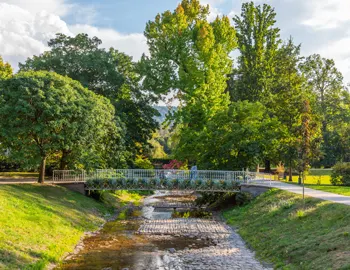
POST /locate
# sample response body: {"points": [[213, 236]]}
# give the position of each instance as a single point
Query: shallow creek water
{"points": [[117, 246]]}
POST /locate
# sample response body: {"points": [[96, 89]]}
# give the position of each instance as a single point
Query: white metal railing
{"points": [[170, 174], [258, 178], [68, 176]]}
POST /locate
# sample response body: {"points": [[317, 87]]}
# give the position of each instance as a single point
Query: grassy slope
{"points": [[39, 224], [281, 232]]}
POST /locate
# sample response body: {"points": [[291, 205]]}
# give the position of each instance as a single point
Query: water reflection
{"points": [[118, 247]]}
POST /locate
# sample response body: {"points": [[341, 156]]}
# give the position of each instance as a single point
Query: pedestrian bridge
{"points": [[137, 179]]}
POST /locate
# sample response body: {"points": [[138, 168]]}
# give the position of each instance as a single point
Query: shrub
{"points": [[300, 214], [153, 183], [243, 198], [341, 174], [209, 183], [198, 183]]}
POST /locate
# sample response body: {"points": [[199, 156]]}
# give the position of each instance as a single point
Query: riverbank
{"points": [[39, 225], [282, 231], [148, 237]]}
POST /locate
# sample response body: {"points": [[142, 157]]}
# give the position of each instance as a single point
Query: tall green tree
{"points": [[43, 114], [190, 56], [326, 84], [288, 96], [305, 147], [258, 42], [106, 72], [5, 73]]}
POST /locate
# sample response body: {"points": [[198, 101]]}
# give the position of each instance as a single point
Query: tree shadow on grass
{"points": [[11, 260]]}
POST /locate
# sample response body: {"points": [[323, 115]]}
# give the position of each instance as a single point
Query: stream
{"points": [[150, 239]]}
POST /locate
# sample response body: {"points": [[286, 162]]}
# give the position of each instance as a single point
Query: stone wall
{"points": [[255, 190], [77, 187]]}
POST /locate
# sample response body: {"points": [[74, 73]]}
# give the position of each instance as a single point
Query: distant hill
{"points": [[163, 110]]}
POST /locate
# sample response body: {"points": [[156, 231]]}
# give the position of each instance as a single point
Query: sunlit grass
{"points": [[122, 198], [292, 236], [313, 179], [39, 224], [129, 197], [333, 189]]}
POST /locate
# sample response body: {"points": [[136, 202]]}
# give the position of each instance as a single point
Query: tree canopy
{"points": [[190, 56], [269, 104], [106, 72], [5, 70], [45, 114]]}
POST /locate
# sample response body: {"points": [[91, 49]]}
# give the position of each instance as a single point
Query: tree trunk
{"points": [[267, 166], [63, 161], [290, 172], [42, 171]]}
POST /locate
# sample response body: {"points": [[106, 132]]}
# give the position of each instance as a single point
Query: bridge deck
{"points": [[124, 179]]}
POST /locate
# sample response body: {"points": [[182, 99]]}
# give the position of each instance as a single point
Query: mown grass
{"points": [[342, 190], [39, 224], [314, 179], [19, 175], [317, 172], [284, 233]]}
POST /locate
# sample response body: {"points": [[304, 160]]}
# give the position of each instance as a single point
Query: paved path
{"points": [[328, 196], [7, 181]]}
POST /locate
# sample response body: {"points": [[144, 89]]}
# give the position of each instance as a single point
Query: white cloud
{"points": [[214, 11], [58, 7], [132, 44], [23, 34], [327, 14], [231, 14], [339, 51]]}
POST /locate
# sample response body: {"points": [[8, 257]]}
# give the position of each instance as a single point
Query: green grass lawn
{"points": [[19, 175], [314, 180], [334, 189], [281, 232], [39, 224]]}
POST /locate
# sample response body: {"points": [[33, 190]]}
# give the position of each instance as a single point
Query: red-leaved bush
{"points": [[173, 164]]}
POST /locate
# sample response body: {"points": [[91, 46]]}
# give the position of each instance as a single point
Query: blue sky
{"points": [[321, 26], [127, 16]]}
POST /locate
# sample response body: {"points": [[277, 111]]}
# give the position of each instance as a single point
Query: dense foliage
{"points": [[106, 72], [281, 108], [190, 56], [341, 174], [43, 115], [269, 105]]}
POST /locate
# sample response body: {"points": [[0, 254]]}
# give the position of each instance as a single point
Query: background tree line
{"points": [[75, 106], [269, 105], [81, 106]]}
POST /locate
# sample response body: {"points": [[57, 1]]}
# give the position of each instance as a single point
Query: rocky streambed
{"points": [[149, 239]]}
